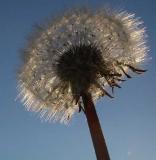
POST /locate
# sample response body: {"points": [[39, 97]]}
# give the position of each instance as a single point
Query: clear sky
{"points": [[128, 121]]}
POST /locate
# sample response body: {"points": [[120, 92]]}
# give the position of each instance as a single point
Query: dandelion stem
{"points": [[95, 128]]}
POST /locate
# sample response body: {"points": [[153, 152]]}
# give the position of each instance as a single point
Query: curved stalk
{"points": [[95, 128]]}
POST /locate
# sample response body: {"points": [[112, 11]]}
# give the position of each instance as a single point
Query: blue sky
{"points": [[128, 121]]}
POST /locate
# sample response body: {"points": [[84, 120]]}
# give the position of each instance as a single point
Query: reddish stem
{"points": [[95, 128]]}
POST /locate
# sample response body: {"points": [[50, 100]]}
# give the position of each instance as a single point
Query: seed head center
{"points": [[79, 65]]}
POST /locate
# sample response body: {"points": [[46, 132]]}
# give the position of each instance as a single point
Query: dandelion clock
{"points": [[73, 60]]}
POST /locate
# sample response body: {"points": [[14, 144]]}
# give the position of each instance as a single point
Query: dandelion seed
{"points": [[82, 51]]}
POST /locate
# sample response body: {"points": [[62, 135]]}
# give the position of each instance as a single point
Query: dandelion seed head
{"points": [[80, 51]]}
